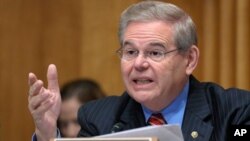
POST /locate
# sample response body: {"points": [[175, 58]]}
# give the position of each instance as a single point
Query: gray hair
{"points": [[146, 11]]}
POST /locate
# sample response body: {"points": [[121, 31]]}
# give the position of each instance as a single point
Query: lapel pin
{"points": [[194, 134]]}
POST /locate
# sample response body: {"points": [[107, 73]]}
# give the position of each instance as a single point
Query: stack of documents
{"points": [[163, 133]]}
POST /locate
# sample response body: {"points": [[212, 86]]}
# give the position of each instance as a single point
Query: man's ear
{"points": [[193, 57]]}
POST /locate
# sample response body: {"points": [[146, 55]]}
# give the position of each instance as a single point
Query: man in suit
{"points": [[158, 55]]}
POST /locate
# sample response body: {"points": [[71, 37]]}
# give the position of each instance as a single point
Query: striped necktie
{"points": [[156, 119]]}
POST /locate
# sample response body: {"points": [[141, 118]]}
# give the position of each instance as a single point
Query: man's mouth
{"points": [[143, 81]]}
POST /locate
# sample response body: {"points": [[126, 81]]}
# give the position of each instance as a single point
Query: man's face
{"points": [[67, 120], [153, 83]]}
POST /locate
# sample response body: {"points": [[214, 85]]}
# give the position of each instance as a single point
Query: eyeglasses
{"points": [[129, 54]]}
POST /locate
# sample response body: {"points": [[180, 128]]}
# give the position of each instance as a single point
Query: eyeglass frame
{"points": [[119, 52]]}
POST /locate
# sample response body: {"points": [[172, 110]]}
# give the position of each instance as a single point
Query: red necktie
{"points": [[156, 119]]}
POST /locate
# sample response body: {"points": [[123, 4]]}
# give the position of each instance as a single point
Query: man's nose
{"points": [[141, 62]]}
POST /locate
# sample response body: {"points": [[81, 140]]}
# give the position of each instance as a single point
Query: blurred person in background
{"points": [[74, 94]]}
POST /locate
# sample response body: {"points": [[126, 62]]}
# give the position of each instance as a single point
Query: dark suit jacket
{"points": [[210, 110]]}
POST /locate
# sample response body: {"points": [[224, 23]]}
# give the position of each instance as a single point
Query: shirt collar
{"points": [[173, 113]]}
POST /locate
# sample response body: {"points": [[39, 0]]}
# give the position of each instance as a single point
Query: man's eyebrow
{"points": [[127, 43], [152, 44], [158, 44]]}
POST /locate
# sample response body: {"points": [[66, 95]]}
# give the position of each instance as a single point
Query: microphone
{"points": [[117, 127]]}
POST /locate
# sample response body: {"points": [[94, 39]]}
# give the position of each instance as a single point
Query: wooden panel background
{"points": [[80, 37]]}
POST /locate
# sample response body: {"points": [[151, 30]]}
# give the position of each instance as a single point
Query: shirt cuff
{"points": [[58, 135]]}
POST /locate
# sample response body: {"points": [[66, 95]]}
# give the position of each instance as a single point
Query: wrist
{"points": [[45, 137]]}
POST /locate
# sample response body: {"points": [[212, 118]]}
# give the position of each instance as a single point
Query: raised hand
{"points": [[44, 104]]}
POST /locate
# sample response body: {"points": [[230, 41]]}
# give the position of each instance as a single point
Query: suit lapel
{"points": [[197, 124], [132, 117]]}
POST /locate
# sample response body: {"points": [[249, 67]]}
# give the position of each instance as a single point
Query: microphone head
{"points": [[117, 127]]}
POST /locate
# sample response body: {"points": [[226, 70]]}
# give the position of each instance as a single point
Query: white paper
{"points": [[163, 133]]}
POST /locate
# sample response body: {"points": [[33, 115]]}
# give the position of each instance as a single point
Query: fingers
{"points": [[35, 88], [39, 111], [35, 85], [52, 78], [31, 79], [38, 95], [40, 102]]}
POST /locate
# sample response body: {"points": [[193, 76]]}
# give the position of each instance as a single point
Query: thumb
{"points": [[52, 78]]}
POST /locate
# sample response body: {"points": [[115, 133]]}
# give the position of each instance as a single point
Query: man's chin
{"points": [[140, 98]]}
